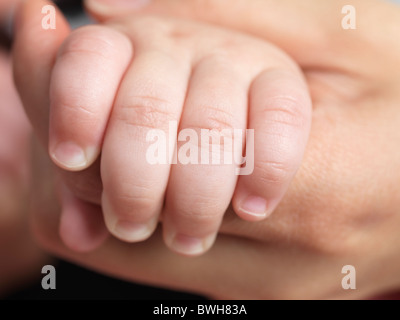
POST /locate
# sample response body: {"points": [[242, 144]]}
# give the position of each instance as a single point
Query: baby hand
{"points": [[131, 86]]}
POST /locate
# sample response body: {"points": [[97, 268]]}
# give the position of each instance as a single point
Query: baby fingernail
{"points": [[132, 231], [255, 206], [190, 246], [70, 156]]}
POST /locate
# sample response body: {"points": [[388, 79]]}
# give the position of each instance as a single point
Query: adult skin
{"points": [[342, 208], [21, 259]]}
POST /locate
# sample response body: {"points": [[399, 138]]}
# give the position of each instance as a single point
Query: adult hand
{"points": [[6, 6], [20, 258], [342, 208]]}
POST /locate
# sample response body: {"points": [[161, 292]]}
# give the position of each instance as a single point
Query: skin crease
{"points": [[342, 207]]}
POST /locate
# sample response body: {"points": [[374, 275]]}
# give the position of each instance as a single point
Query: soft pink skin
{"points": [[166, 80], [84, 81], [80, 226]]}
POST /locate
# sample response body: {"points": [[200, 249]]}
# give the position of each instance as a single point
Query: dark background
{"points": [[76, 283]]}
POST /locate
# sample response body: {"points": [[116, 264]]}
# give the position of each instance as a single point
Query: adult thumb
{"points": [[298, 27], [39, 31]]}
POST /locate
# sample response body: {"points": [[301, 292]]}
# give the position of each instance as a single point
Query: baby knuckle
{"points": [[214, 118], [271, 172], [91, 40], [200, 222], [286, 111], [133, 200], [203, 209], [147, 112]]}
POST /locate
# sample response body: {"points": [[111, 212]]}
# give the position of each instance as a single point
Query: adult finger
{"points": [[32, 68]]}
